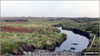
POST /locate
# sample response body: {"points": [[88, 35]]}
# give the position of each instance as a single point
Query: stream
{"points": [[74, 42]]}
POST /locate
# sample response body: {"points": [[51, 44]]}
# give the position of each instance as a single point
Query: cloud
{"points": [[50, 8]]}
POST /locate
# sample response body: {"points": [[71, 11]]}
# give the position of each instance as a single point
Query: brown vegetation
{"points": [[17, 29]]}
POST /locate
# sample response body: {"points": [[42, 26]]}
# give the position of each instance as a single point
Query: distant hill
{"points": [[25, 19]]}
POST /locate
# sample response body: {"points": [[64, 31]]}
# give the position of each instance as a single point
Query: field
{"points": [[87, 25], [18, 37], [38, 33]]}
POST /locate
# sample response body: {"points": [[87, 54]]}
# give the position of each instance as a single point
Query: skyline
{"points": [[50, 8]]}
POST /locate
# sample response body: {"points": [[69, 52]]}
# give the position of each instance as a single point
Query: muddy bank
{"points": [[77, 31], [80, 41], [31, 48]]}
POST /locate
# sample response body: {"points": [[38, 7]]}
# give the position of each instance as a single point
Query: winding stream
{"points": [[74, 42]]}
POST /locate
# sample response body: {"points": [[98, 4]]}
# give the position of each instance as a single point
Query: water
{"points": [[76, 41], [80, 42]]}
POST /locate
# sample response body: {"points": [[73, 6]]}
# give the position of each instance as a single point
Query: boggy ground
{"points": [[16, 40], [44, 36], [88, 28]]}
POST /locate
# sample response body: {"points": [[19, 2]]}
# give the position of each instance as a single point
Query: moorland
{"points": [[20, 34]]}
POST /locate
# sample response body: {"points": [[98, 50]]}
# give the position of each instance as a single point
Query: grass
{"points": [[45, 37], [91, 26], [40, 39]]}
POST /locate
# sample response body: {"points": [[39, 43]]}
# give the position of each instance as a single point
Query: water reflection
{"points": [[74, 42]]}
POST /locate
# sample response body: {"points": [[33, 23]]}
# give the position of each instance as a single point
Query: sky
{"points": [[50, 8]]}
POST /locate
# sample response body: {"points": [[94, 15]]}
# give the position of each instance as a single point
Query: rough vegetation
{"points": [[88, 27], [16, 40], [45, 36]]}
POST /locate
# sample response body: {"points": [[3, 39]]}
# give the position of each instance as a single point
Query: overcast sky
{"points": [[50, 8]]}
